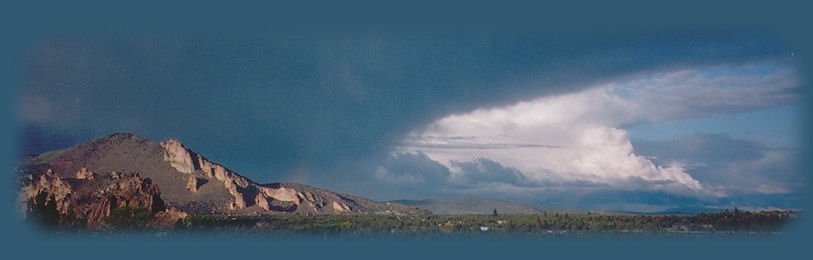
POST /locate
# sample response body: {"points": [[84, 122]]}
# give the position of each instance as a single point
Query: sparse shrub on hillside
{"points": [[196, 222]]}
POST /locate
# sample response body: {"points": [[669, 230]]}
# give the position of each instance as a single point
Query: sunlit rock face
{"points": [[244, 192], [192, 184], [340, 207], [229, 179], [51, 185], [188, 162], [177, 155], [85, 174]]}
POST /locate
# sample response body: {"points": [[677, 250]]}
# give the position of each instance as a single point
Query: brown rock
{"points": [[261, 201], [340, 207], [98, 211], [84, 174], [125, 190], [50, 184], [177, 155], [93, 198], [192, 184], [168, 218], [188, 162]]}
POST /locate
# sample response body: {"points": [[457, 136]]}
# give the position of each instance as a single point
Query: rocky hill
{"points": [[192, 183]]}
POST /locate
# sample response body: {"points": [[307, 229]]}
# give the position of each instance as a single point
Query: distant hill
{"points": [[470, 206], [190, 182]]}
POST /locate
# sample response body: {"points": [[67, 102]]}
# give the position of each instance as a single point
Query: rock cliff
{"points": [[177, 156]]}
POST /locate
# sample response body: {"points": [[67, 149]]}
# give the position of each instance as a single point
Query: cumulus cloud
{"points": [[576, 129], [580, 137]]}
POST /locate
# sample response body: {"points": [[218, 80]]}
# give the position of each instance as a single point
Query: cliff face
{"points": [[90, 200], [192, 183], [231, 181], [187, 162], [177, 156], [250, 197]]}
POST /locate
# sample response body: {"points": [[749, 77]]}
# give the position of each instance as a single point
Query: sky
{"points": [[632, 122]]}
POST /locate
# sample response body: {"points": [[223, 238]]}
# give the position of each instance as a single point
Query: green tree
{"points": [[43, 210]]}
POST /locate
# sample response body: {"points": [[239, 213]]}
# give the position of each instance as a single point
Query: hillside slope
{"points": [[192, 183]]}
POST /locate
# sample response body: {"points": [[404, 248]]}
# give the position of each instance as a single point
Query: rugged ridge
{"points": [[192, 183]]}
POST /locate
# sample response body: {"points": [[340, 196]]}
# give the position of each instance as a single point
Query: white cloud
{"points": [[579, 136]]}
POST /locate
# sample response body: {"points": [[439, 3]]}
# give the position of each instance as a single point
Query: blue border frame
{"points": [[23, 23]]}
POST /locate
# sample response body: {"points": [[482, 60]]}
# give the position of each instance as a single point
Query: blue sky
{"points": [[629, 122], [779, 126]]}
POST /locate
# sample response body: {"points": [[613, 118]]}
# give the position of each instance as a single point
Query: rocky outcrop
{"points": [[93, 199], [119, 190], [262, 201], [55, 190], [188, 162], [97, 212], [282, 193], [178, 156], [168, 218], [85, 174], [129, 189], [340, 207], [231, 180], [192, 184]]}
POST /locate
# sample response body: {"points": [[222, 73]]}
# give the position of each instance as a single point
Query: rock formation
{"points": [[192, 184], [168, 218], [84, 174], [51, 185], [262, 201], [231, 181], [93, 199], [177, 155], [340, 207]]}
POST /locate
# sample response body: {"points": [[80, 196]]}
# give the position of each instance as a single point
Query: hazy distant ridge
{"points": [[470, 206]]}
